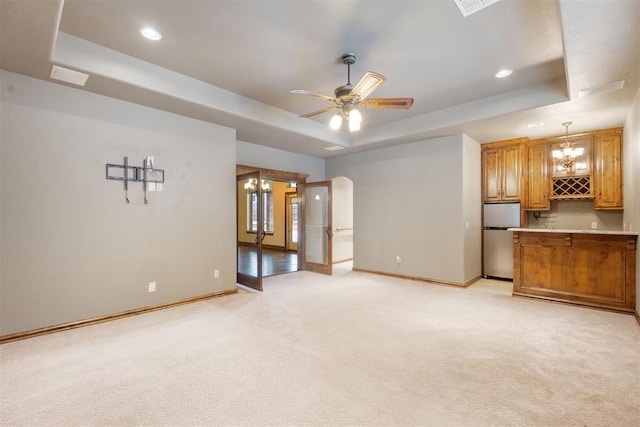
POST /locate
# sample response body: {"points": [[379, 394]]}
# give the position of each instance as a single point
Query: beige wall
{"points": [[631, 171], [273, 158], [342, 217], [576, 214], [408, 200], [472, 207], [71, 248]]}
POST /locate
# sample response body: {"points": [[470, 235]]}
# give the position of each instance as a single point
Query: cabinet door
{"points": [[582, 165], [538, 175], [511, 173], [608, 172], [491, 177]]}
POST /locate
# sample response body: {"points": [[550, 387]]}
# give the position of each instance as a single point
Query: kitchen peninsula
{"points": [[595, 268]]}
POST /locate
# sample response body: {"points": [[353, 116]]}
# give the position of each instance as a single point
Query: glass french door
{"points": [[317, 243], [291, 201], [250, 218]]}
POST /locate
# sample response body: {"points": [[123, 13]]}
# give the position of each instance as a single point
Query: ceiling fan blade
{"points": [[316, 95], [388, 103], [367, 84], [324, 110]]}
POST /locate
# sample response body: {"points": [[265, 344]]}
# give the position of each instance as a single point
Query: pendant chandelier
{"points": [[567, 156], [252, 186]]}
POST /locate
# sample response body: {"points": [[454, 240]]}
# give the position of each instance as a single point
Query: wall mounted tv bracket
{"points": [[146, 174]]}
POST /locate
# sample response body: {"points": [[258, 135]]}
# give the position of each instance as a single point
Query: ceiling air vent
{"points": [[68, 76], [607, 87], [467, 7]]}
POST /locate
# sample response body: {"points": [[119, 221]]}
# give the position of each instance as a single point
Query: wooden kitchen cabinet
{"points": [[576, 267], [537, 177], [607, 176], [523, 170], [501, 172]]}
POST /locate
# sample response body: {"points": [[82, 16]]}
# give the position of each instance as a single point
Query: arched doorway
{"points": [[342, 219]]}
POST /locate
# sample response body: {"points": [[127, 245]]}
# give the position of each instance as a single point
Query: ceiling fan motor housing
{"points": [[343, 91], [349, 58]]}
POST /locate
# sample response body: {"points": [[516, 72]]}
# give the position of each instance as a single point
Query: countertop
{"points": [[560, 230]]}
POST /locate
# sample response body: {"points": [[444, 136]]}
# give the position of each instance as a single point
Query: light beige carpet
{"points": [[352, 349]]}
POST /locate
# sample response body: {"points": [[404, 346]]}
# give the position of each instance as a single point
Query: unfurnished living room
{"points": [[340, 212]]}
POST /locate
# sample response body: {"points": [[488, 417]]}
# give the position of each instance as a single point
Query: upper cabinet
{"points": [[607, 176], [502, 171], [537, 177], [571, 181], [582, 165], [534, 173]]}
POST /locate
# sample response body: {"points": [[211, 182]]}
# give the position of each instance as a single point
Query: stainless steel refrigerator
{"points": [[498, 242]]}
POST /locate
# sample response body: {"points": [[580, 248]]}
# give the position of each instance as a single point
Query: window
{"points": [[252, 212]]}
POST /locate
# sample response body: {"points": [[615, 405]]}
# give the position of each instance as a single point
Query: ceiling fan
{"points": [[349, 97]]}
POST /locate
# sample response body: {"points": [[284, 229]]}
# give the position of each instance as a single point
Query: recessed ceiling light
{"points": [[68, 76], [334, 148], [504, 73], [150, 33]]}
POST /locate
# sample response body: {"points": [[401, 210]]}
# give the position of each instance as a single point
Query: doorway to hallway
{"points": [[268, 223]]}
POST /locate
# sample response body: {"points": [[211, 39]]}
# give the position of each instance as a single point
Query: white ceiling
{"points": [[233, 62]]}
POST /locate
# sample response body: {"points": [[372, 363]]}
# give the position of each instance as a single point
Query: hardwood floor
{"points": [[273, 261]]}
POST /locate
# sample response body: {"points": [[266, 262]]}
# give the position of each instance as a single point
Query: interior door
{"points": [[249, 200], [291, 227], [317, 236]]}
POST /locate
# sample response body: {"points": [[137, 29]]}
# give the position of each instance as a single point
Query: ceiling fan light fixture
{"points": [[348, 97], [355, 118], [354, 115], [336, 122]]}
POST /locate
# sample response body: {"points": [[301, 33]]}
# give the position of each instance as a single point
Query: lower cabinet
{"points": [[597, 270]]}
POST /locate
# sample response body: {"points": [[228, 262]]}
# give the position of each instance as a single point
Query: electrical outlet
{"points": [[152, 286], [216, 274], [594, 225], [159, 186]]}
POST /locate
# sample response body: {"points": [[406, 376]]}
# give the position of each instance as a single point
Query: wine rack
{"points": [[574, 187]]}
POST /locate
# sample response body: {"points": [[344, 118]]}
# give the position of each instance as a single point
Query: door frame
{"points": [[277, 175], [254, 282], [288, 221]]}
